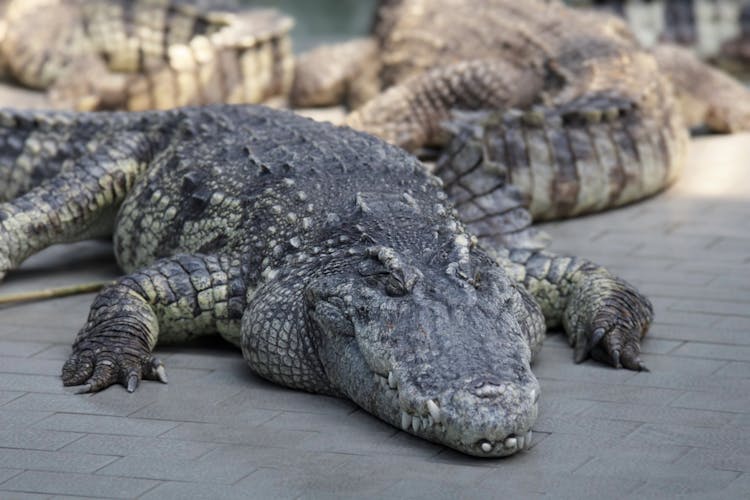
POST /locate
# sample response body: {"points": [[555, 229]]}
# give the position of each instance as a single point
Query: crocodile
{"points": [[332, 259], [580, 116], [718, 32], [145, 54]]}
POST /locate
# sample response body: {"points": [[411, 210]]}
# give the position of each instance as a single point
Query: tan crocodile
{"points": [[144, 54], [576, 114]]}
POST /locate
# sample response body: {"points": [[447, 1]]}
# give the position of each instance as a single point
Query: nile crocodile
{"points": [[145, 54], [331, 258], [582, 117]]}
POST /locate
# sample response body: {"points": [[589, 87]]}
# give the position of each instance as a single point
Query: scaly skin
{"points": [[332, 259], [585, 119], [150, 54]]}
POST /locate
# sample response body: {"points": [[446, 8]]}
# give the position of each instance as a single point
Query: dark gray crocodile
{"points": [[151, 54], [580, 116], [331, 258]]}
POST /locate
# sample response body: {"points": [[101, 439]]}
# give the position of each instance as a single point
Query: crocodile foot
{"points": [[612, 323], [95, 368]]}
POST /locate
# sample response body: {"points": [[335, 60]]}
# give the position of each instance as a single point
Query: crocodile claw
{"points": [[609, 319], [92, 372]]}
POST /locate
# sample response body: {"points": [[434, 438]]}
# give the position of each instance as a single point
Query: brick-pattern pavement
{"points": [[216, 431]]}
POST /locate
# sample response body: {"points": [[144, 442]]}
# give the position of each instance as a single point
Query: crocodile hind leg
{"points": [[604, 316], [175, 299], [76, 204], [411, 113]]}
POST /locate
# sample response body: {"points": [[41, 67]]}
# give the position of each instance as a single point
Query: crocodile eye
{"points": [[394, 287]]}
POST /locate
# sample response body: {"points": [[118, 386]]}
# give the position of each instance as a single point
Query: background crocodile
{"points": [[717, 31], [583, 118], [331, 258], [145, 54]]}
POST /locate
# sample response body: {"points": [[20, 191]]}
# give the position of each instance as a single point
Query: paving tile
{"points": [[738, 488], [658, 414], [256, 435], [741, 323], [734, 369], [103, 424], [690, 382], [732, 401], [31, 383], [574, 450], [255, 456], [30, 366], [197, 491], [676, 364], [68, 403], [177, 469], [59, 352], [669, 478], [7, 396], [729, 439], [696, 291], [52, 460], [197, 409], [265, 395], [719, 459], [17, 495], [156, 448], [79, 484], [714, 351], [35, 439], [20, 419], [717, 333], [538, 484], [6, 474], [728, 308], [19, 349], [592, 391], [274, 483], [664, 315]]}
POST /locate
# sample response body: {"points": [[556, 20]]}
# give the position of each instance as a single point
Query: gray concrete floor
{"points": [[216, 431]]}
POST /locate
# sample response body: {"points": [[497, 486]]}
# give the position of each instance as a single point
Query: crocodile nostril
{"points": [[486, 387]]}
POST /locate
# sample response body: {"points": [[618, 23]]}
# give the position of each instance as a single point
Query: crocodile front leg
{"points": [[604, 316], [175, 299], [410, 114], [344, 73]]}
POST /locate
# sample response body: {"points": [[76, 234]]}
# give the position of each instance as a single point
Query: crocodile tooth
{"points": [[510, 442], [426, 424], [405, 421], [391, 380], [486, 446], [520, 442], [429, 421], [528, 438], [534, 395], [415, 423], [434, 410]]}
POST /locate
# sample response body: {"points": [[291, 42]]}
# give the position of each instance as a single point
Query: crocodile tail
{"points": [[174, 54], [490, 206], [37, 145], [591, 154]]}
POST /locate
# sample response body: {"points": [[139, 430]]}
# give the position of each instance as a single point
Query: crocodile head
{"points": [[436, 345]]}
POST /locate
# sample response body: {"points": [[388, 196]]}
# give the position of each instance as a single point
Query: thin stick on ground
{"points": [[51, 293]]}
